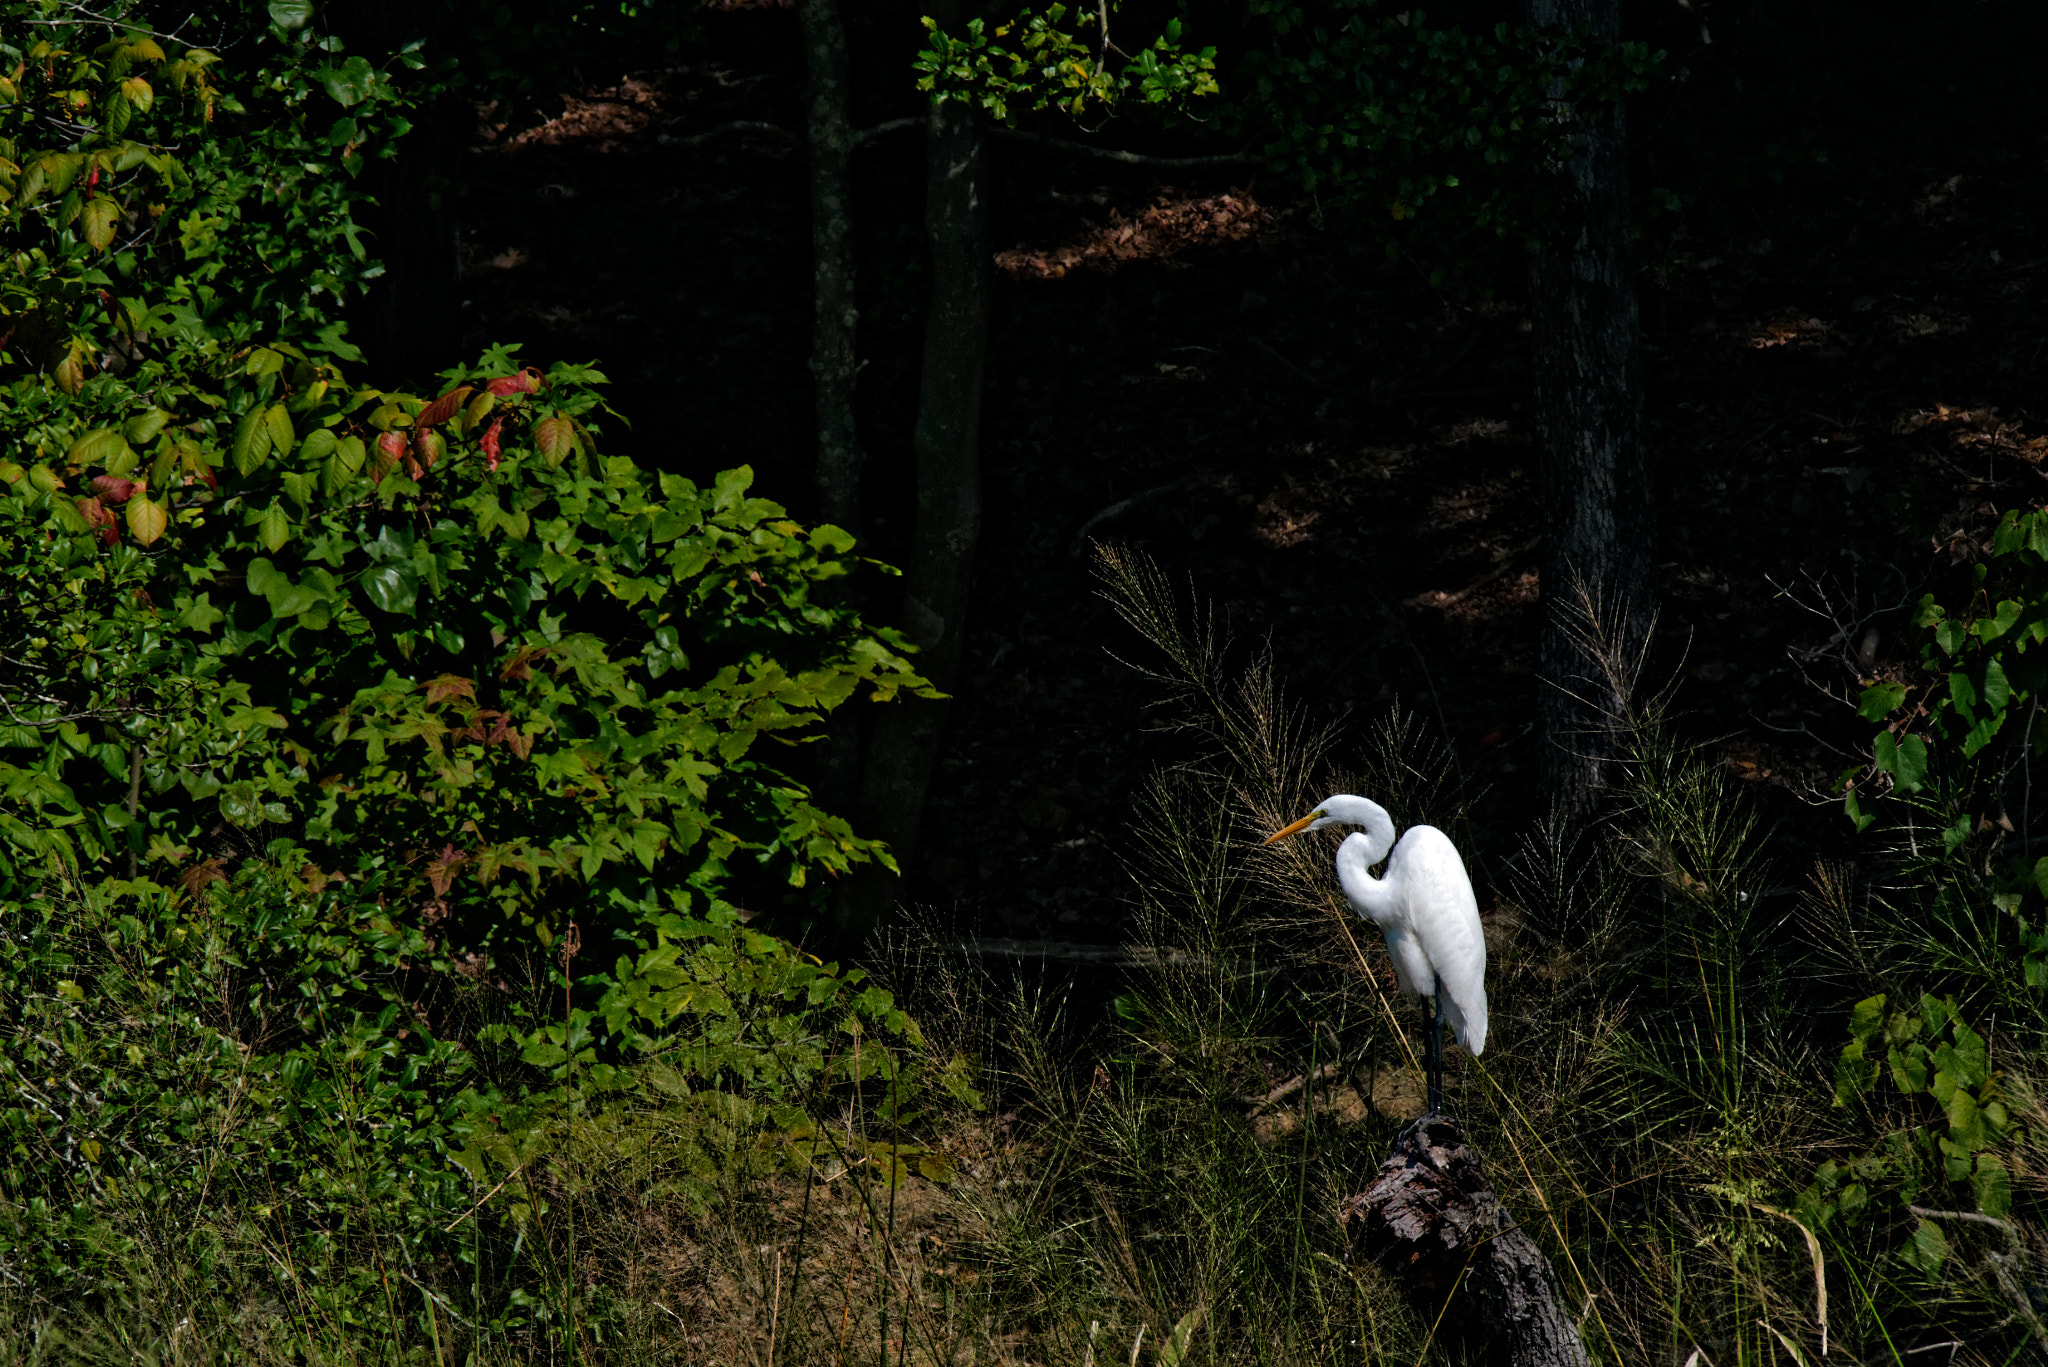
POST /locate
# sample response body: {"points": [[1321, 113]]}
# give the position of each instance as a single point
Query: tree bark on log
{"points": [[1598, 510], [828, 133], [1431, 1218], [908, 735]]}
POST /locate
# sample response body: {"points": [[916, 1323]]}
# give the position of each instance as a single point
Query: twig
{"points": [[484, 1198], [1288, 1089], [1124, 505], [2002, 1226], [887, 126], [1507, 563], [1082, 149]]}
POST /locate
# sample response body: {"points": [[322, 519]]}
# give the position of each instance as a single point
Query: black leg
{"points": [[1435, 1024], [1432, 1054]]}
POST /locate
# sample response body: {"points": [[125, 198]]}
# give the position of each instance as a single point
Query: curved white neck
{"points": [[1355, 858]]}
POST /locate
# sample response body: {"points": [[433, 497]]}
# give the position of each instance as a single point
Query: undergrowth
{"points": [[1745, 1112]]}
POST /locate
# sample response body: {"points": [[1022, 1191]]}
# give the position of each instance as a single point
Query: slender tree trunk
{"points": [[908, 735], [829, 133], [1599, 516]]}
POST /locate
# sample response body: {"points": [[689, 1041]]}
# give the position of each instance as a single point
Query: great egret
{"points": [[1424, 906]]}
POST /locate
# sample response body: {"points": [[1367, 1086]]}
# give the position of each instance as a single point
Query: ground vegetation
{"points": [[426, 654]]}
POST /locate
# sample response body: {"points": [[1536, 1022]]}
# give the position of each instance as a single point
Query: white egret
{"points": [[1425, 907]]}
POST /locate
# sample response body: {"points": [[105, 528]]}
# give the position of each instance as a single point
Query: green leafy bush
{"points": [[263, 1070], [449, 639], [1930, 1053]]}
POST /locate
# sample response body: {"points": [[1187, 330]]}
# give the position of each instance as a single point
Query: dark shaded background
{"points": [[1843, 328]]}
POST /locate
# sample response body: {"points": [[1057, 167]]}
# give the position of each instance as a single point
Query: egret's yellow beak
{"points": [[1294, 828]]}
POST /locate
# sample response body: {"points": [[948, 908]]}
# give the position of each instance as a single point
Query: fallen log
{"points": [[1431, 1218]]}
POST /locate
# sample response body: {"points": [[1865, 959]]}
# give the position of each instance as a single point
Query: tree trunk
{"points": [[907, 736], [1431, 1218], [1599, 517], [829, 135]]}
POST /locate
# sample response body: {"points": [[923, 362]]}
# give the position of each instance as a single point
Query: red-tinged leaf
{"points": [[527, 381], [414, 471], [443, 867], [519, 743], [69, 373], [114, 490], [448, 686], [554, 437], [443, 408], [390, 450], [99, 520], [429, 446], [195, 879], [520, 666], [490, 443], [147, 520]]}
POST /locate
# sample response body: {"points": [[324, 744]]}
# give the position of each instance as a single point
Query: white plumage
{"points": [[1424, 906]]}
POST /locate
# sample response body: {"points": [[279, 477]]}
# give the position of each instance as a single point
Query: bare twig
{"points": [[1290, 1087], [888, 126]]}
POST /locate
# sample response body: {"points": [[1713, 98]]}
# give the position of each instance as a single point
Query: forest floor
{"points": [[1332, 454]]}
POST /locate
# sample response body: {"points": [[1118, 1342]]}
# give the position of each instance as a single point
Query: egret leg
{"points": [[1436, 1050], [1433, 1054]]}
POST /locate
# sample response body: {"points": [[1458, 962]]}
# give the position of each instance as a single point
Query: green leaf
{"points": [[147, 520], [98, 220], [1174, 1351], [1997, 691], [273, 529], [282, 438], [1962, 694], [350, 83], [101, 446], [291, 15], [1982, 733], [144, 427], [1879, 700], [200, 614], [1904, 758], [251, 442], [342, 464], [392, 586], [1965, 1123], [1927, 1249], [1993, 1186]]}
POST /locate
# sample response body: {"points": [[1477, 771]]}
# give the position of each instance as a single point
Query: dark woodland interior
{"points": [[1841, 314]]}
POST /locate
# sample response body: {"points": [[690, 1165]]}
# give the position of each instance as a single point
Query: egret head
{"points": [[1342, 809]]}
